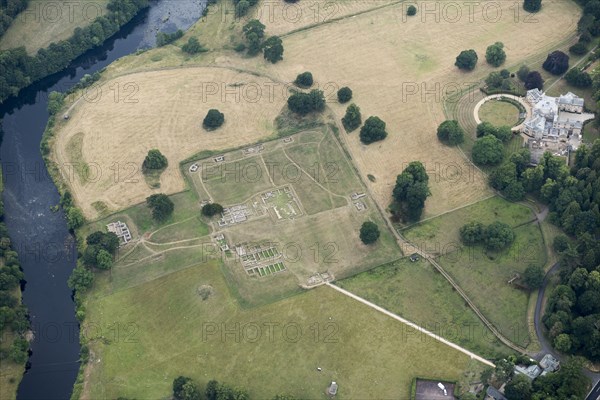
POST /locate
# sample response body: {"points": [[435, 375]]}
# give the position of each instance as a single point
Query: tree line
{"points": [[13, 314], [9, 9], [18, 69]]}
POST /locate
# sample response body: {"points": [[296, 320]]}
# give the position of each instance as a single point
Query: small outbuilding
{"points": [[332, 389]]}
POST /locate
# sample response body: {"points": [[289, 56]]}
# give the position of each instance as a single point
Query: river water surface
{"points": [[41, 237]]}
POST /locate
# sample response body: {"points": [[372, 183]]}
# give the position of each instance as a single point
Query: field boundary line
{"points": [[412, 325]]}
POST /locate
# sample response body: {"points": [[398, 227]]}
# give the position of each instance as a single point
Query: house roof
{"points": [[494, 393]]}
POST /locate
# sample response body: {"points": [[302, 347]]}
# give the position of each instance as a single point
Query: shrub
{"points": [[466, 60], [163, 39], [472, 233], [373, 130], [533, 276], [344, 95], [192, 46], [498, 236], [369, 232], [411, 10], [240, 47], [352, 119], [242, 8], [304, 80], [213, 120]]}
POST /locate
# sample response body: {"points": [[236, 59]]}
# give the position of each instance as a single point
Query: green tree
{"points": [[557, 63], [75, 218], [192, 46], [504, 133], [304, 80], [273, 49], [532, 6], [369, 232], [534, 81], [104, 260], [411, 10], [523, 72], [485, 128], [212, 209], [213, 120], [467, 60], [488, 151], [155, 160], [254, 32], [495, 54], [352, 119], [472, 233], [518, 388], [344, 95], [212, 390], [241, 8], [579, 79], [162, 207], [410, 192], [55, 102], [373, 130], [533, 276], [579, 49], [450, 132], [498, 236], [305, 103], [560, 243], [562, 343], [81, 278]]}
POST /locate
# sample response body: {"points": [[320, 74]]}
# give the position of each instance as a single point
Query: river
{"points": [[46, 249]]}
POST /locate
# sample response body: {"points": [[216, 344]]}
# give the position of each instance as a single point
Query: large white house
{"points": [[556, 123]]}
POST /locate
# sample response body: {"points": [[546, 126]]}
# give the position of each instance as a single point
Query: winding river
{"points": [[41, 237]]}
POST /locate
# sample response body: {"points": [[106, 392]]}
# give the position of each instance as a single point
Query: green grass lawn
{"points": [[499, 113], [483, 275], [166, 330], [440, 233], [415, 291]]}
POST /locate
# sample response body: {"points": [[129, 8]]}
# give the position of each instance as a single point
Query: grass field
{"points": [[439, 234], [323, 234], [415, 291], [44, 22], [411, 121], [166, 332], [484, 275], [499, 113], [115, 171], [475, 268]]}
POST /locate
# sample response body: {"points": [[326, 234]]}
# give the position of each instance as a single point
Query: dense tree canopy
{"points": [[344, 95], [466, 60], [450, 132], [304, 80], [305, 103], [410, 192], [273, 49], [161, 205], [373, 130], [213, 120], [488, 151], [352, 119], [532, 5], [495, 55], [212, 209], [579, 79], [534, 80], [155, 160], [557, 63], [369, 232]]}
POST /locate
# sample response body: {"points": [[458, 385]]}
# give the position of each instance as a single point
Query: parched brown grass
{"points": [[384, 58], [44, 22], [165, 113], [399, 68]]}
